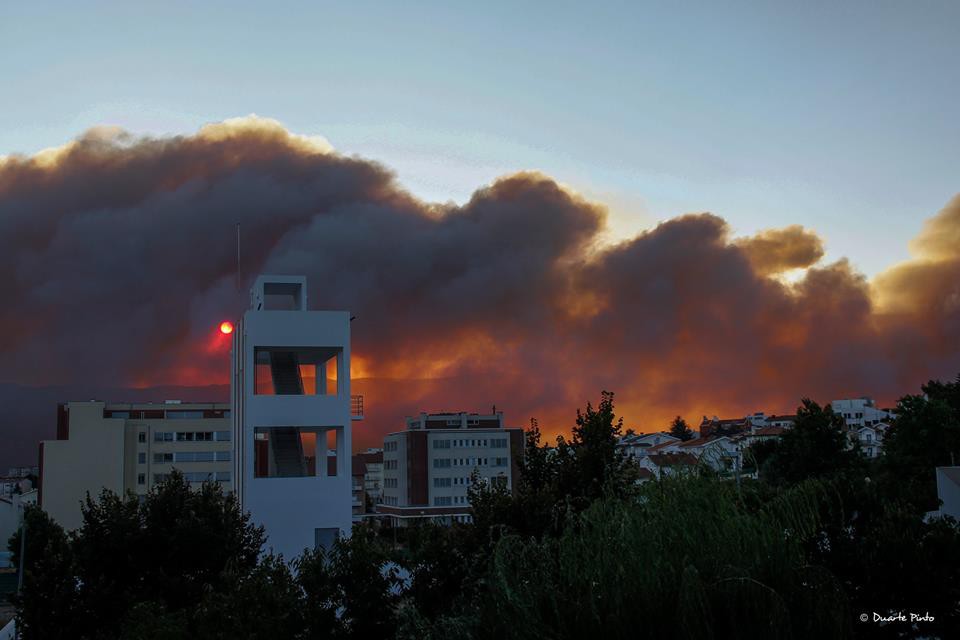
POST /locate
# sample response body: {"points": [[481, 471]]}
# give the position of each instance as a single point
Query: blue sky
{"points": [[842, 118]]}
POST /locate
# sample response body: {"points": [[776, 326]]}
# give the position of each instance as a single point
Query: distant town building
{"points": [[10, 485], [860, 412], [427, 468], [636, 445], [373, 474], [23, 472], [130, 447], [292, 413], [726, 427]]}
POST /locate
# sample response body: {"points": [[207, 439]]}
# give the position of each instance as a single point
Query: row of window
{"points": [[390, 500], [192, 476], [191, 456], [390, 445], [390, 465], [496, 443], [390, 483], [446, 463], [446, 501], [191, 436], [169, 414]]}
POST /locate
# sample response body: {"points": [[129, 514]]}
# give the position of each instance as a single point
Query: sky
{"points": [[837, 116], [709, 211]]}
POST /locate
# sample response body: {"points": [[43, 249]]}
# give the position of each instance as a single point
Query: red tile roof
{"points": [[371, 458], [673, 459], [769, 431]]}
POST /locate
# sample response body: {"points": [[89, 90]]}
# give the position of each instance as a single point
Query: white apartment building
{"points": [[292, 412], [128, 447], [427, 468], [866, 423], [860, 412]]}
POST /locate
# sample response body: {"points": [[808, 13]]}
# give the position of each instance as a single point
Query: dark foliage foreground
{"points": [[579, 549]]}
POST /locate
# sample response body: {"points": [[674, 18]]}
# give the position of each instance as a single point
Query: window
{"points": [[162, 458], [142, 437], [184, 415], [441, 444], [141, 478], [441, 463], [223, 456], [390, 465], [442, 501], [162, 436], [499, 443], [440, 483], [390, 445], [390, 483], [142, 457], [499, 462], [221, 436]]}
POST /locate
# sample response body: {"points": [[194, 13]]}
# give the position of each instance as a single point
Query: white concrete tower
{"points": [[292, 411]]}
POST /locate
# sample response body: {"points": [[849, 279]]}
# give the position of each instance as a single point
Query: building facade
{"points": [[292, 412], [129, 448], [427, 469], [373, 474], [860, 412]]}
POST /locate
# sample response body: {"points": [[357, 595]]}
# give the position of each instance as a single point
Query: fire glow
{"points": [[226, 328]]}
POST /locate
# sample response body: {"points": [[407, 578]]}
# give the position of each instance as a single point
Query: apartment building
{"points": [[860, 412], [373, 474], [127, 447], [292, 413], [427, 468]]}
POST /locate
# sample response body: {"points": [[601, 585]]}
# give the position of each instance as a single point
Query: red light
{"points": [[226, 328]]}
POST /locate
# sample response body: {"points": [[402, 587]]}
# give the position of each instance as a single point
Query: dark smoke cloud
{"points": [[117, 263]]}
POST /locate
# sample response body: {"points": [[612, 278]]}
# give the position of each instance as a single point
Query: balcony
{"points": [[356, 407]]}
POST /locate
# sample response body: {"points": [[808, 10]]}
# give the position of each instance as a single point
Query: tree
{"points": [[925, 435], [368, 583], [47, 605], [680, 429], [133, 564], [590, 464], [816, 446], [687, 560]]}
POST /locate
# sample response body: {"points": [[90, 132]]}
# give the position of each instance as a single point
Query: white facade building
{"points": [[637, 445], [427, 469], [292, 412], [860, 412]]}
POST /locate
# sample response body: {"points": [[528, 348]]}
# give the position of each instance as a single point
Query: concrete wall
{"points": [[90, 461]]}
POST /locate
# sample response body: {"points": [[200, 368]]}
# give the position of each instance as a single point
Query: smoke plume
{"points": [[117, 257]]}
